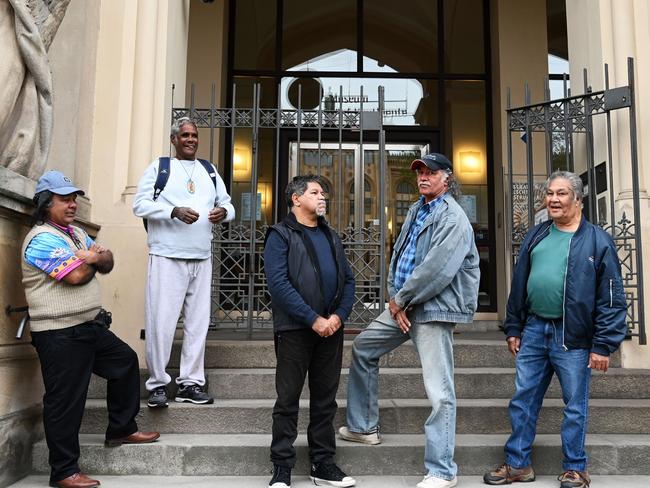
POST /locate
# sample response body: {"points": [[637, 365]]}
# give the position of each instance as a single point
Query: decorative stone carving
{"points": [[27, 28]]}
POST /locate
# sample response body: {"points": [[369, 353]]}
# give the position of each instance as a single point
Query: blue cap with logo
{"points": [[56, 182], [433, 161]]}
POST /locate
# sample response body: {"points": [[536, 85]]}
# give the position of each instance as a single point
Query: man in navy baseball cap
{"points": [[433, 283], [57, 183], [433, 161]]}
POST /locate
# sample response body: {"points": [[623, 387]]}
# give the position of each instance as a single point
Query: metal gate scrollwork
{"points": [[240, 299]]}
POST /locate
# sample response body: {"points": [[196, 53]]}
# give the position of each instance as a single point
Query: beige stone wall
{"points": [[20, 383], [73, 79], [604, 31]]}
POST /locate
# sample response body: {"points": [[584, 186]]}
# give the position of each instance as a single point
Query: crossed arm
{"points": [[97, 259]]}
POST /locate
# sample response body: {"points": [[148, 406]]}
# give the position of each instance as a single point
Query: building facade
{"points": [[119, 68]]}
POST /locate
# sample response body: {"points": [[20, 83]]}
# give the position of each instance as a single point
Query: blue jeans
{"points": [[541, 354], [434, 343]]}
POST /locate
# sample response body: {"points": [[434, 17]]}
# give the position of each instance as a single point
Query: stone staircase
{"points": [[232, 436]]}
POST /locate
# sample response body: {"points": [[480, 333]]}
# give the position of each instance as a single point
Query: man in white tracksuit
{"points": [[179, 221]]}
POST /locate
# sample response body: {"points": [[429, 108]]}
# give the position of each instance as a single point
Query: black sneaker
{"points": [[281, 477], [158, 398], [330, 475], [194, 394]]}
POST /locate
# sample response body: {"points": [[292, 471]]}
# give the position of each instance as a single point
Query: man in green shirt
{"points": [[566, 315]]}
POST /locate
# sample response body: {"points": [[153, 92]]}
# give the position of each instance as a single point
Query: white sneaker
{"points": [[433, 482], [371, 438]]}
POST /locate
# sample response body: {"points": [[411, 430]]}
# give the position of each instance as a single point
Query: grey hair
{"points": [[574, 180], [453, 187], [298, 186], [179, 123]]}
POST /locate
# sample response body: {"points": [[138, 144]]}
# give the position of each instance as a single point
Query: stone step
{"points": [[303, 481], [484, 416], [407, 383], [261, 354], [398, 455], [473, 352]]}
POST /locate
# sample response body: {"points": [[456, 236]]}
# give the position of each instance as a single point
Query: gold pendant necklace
{"points": [[191, 187]]}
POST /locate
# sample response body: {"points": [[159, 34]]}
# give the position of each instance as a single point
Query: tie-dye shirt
{"points": [[52, 254]]}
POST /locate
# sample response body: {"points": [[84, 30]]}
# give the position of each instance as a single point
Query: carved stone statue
{"points": [[27, 28]]}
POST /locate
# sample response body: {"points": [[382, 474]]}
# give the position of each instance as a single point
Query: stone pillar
{"points": [[144, 82], [519, 55], [621, 15]]}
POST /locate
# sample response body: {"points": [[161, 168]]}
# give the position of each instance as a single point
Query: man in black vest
{"points": [[312, 292]]}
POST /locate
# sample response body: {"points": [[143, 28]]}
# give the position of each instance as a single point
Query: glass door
{"points": [[353, 185], [337, 166]]}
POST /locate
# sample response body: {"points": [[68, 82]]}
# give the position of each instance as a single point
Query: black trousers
{"points": [[68, 358], [299, 352]]}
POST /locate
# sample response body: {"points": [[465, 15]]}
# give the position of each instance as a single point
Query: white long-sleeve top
{"points": [[170, 237]]}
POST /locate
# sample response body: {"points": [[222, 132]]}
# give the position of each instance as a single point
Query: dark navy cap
{"points": [[433, 161], [56, 182]]}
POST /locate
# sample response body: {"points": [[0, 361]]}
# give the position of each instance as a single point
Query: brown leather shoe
{"points": [[77, 480], [135, 438], [506, 474]]}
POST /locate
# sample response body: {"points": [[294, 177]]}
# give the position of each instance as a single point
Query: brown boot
{"points": [[574, 479], [77, 480], [506, 474], [135, 438]]}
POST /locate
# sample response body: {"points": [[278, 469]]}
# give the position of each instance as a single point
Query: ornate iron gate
{"points": [[240, 297], [568, 128]]}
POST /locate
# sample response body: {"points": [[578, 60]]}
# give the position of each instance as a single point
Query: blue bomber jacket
{"points": [[594, 301]]}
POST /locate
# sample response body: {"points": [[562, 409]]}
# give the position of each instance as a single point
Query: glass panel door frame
{"points": [[359, 172]]}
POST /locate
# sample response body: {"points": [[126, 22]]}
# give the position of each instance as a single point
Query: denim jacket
{"points": [[594, 300], [444, 284]]}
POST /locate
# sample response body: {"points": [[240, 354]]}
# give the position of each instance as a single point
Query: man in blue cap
{"points": [[432, 284], [69, 330]]}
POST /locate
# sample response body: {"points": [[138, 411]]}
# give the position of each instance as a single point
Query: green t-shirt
{"points": [[548, 263]]}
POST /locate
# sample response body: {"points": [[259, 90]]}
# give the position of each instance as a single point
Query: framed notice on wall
{"points": [[468, 202], [246, 198]]}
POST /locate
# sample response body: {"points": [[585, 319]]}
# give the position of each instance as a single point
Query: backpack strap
{"points": [[161, 181], [211, 171], [163, 176]]}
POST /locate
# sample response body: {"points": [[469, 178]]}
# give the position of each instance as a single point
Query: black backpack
{"points": [[164, 168]]}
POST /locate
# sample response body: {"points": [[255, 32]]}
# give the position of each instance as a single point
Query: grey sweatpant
{"points": [[176, 285]]}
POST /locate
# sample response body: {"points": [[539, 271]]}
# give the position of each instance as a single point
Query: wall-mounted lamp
{"points": [[241, 165], [264, 192], [470, 162]]}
